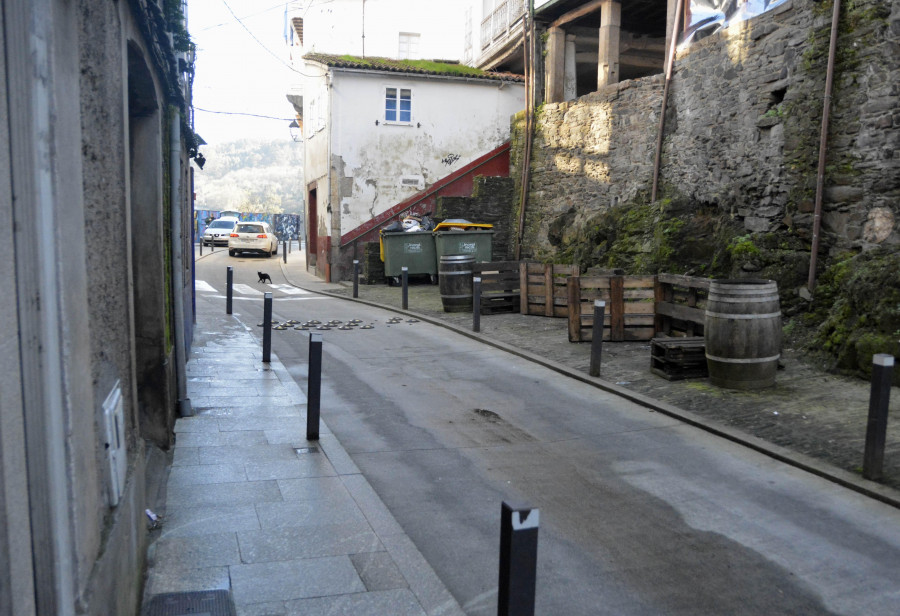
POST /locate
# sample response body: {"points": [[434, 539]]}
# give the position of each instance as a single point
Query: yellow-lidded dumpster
{"points": [[475, 242], [411, 249]]}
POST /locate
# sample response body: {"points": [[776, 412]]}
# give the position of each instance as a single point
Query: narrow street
{"points": [[640, 514]]}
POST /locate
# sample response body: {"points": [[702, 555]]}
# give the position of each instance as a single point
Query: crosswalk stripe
{"points": [[204, 287], [244, 289], [289, 290]]}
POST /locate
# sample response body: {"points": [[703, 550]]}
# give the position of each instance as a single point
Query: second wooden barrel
{"points": [[455, 282], [743, 333]]}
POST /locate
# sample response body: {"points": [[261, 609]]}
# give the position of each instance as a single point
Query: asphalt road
{"points": [[640, 514]]}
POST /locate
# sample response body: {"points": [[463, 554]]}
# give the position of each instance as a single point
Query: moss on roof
{"points": [[416, 67]]}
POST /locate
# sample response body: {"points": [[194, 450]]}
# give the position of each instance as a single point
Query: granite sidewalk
{"points": [[290, 526]]}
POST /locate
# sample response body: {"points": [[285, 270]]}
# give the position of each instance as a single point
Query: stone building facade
{"points": [[741, 142], [95, 186]]}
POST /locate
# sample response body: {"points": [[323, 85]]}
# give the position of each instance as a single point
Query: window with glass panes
{"points": [[398, 105]]}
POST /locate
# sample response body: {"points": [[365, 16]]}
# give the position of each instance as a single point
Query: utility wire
{"points": [[260, 43], [255, 115], [225, 23]]}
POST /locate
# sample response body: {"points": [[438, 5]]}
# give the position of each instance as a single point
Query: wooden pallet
{"points": [[499, 286], [629, 307], [543, 289], [675, 359]]}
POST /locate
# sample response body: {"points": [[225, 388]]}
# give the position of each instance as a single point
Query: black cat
{"points": [[264, 276]]}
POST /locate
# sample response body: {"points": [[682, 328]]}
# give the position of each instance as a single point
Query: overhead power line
{"points": [[241, 113], [260, 43]]}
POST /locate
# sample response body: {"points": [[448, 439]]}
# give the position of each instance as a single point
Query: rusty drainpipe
{"points": [[670, 61], [823, 144], [528, 52]]}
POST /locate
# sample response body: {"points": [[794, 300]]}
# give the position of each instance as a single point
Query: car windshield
{"points": [[221, 224], [249, 229]]}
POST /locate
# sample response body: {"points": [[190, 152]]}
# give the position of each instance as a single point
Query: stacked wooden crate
{"points": [[499, 286], [678, 358]]}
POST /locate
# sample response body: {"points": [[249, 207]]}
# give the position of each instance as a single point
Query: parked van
{"points": [[218, 231]]}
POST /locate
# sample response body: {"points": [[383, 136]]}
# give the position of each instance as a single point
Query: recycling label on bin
{"points": [[468, 247], [413, 248]]}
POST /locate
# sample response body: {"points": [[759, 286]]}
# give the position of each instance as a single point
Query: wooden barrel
{"points": [[455, 282], [743, 333]]}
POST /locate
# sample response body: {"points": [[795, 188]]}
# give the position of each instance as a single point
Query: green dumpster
{"points": [[476, 243], [411, 249]]}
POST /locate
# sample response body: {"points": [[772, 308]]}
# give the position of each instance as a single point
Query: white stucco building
{"points": [[377, 131]]}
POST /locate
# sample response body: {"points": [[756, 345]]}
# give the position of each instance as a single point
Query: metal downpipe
{"points": [[670, 62], [823, 147]]}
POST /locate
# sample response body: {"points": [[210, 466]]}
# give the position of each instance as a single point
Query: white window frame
{"points": [[409, 40], [397, 98]]}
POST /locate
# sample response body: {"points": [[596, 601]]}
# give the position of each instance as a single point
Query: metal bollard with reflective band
{"points": [[314, 387], [518, 560]]}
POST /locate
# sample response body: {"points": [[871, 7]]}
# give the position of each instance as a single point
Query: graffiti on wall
{"points": [[286, 226]]}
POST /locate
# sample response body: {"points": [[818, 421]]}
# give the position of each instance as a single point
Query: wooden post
{"points": [[548, 290], [573, 289], [659, 322], [523, 287], [616, 308]]}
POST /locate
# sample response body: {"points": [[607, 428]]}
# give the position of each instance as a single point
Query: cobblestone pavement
{"points": [[808, 412]]}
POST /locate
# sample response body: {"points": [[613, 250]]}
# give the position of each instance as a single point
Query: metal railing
{"points": [[500, 22]]}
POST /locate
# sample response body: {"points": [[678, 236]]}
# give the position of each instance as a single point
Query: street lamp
{"points": [[295, 131]]}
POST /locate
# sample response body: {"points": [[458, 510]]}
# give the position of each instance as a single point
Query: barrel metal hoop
{"points": [[469, 296], [733, 360], [741, 300], [725, 315], [455, 273]]}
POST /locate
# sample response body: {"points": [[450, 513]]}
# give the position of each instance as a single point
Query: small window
{"points": [[409, 46], [398, 105]]}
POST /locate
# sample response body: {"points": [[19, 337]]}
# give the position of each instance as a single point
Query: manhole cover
{"points": [[198, 603]]}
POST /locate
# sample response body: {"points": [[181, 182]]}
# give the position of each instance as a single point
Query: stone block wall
{"points": [[747, 111], [741, 140], [490, 203]]}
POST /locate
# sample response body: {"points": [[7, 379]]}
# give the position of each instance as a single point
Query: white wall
{"points": [[337, 27], [453, 123]]}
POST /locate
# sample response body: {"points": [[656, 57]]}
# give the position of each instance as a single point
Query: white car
{"points": [[218, 231], [253, 237]]}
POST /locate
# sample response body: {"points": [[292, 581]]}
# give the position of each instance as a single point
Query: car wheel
{"points": [[268, 254], [232, 253], [275, 252]]}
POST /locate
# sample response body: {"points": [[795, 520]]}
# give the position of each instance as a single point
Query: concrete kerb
{"points": [[798, 460]]}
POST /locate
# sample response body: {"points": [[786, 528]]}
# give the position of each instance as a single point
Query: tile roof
{"points": [[411, 67]]}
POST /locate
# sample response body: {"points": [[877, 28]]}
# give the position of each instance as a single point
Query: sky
{"points": [[241, 67]]}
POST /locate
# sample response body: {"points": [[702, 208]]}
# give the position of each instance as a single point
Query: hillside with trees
{"points": [[251, 176]]}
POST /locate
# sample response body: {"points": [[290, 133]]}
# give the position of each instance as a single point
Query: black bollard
{"points": [[284, 251], [355, 278], [876, 428], [476, 304], [314, 387], [229, 288], [518, 560], [201, 247], [267, 328], [597, 337], [405, 281]]}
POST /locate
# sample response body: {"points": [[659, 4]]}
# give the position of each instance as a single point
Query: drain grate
{"points": [[312, 449], [198, 603]]}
